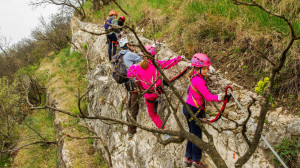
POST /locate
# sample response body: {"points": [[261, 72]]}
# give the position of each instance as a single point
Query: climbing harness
{"points": [[226, 100], [194, 100], [159, 90]]}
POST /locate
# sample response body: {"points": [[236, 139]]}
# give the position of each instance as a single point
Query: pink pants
{"points": [[151, 109]]}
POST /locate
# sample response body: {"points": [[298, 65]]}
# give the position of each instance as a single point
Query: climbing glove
{"points": [[212, 70], [220, 97]]}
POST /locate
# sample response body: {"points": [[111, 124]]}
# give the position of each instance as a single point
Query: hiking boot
{"points": [[197, 165], [188, 162]]}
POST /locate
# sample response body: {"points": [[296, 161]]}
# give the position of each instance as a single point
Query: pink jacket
{"points": [[200, 84], [145, 78]]}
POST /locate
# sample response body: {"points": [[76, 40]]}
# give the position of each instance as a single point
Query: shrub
{"points": [[287, 150], [261, 86]]}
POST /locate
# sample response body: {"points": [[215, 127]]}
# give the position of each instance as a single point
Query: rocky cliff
{"points": [[107, 98]]}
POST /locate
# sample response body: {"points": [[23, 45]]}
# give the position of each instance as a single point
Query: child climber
{"points": [[121, 22], [197, 95], [112, 39], [146, 74]]}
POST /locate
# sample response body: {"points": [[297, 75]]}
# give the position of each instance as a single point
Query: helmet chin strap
{"points": [[201, 73], [128, 48]]}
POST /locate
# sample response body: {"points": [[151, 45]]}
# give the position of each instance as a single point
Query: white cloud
{"points": [[17, 18]]}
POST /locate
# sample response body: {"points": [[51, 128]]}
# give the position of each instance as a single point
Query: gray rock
{"points": [[144, 150], [294, 127]]}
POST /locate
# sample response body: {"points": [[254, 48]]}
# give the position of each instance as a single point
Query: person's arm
{"points": [[168, 64], [115, 22], [201, 87], [131, 72], [135, 58]]}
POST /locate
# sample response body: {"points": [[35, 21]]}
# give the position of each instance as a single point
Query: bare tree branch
{"points": [[270, 88], [33, 143]]}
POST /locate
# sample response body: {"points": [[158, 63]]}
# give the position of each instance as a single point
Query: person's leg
{"points": [[115, 43], [109, 47], [134, 111], [188, 150], [151, 111], [114, 47], [196, 152]]}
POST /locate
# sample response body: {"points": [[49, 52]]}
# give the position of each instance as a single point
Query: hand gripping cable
{"points": [[225, 101]]}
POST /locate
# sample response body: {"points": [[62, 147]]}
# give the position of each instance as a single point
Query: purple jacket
{"points": [[145, 78], [200, 84]]}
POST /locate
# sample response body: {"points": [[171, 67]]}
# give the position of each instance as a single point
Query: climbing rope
{"points": [[226, 100]]}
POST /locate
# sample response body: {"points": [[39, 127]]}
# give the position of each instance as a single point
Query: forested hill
{"points": [[52, 82]]}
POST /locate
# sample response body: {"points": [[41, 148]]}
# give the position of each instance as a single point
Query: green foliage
{"points": [[90, 141], [161, 4], [227, 10], [70, 88], [52, 56], [85, 46], [245, 67], [261, 86], [52, 89], [28, 70], [5, 161], [63, 56], [43, 76], [100, 162], [287, 150]]}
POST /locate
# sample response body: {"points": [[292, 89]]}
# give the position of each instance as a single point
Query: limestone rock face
{"points": [[107, 99]]}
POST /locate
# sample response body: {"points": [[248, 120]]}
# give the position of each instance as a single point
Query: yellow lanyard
{"points": [[203, 103]]}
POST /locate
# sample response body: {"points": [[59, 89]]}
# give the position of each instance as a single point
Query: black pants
{"points": [[192, 151], [112, 45]]}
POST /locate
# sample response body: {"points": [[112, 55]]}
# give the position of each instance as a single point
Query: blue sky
{"points": [[17, 18]]}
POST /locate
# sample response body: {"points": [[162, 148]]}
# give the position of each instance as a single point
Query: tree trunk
{"points": [[96, 5], [105, 2]]}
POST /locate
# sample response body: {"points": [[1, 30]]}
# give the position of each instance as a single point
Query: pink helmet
{"points": [[200, 60], [150, 49]]}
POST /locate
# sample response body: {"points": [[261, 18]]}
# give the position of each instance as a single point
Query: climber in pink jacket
{"points": [[145, 74], [197, 95]]}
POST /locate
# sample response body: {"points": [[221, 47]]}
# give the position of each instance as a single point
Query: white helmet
{"points": [[123, 42]]}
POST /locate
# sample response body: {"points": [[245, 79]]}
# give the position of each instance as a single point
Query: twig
{"points": [[33, 143]]}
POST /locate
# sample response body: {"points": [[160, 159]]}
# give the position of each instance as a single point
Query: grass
{"points": [[37, 155], [70, 70], [5, 161], [225, 9], [63, 73]]}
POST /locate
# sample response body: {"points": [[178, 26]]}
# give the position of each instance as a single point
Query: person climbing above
{"points": [[129, 59], [146, 74], [121, 22], [112, 39], [197, 95]]}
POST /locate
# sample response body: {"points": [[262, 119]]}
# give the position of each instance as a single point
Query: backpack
{"points": [[107, 24], [119, 69]]}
